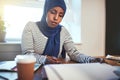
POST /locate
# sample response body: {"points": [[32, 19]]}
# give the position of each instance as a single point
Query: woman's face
{"points": [[54, 16]]}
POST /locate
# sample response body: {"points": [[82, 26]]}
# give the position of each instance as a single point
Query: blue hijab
{"points": [[53, 44]]}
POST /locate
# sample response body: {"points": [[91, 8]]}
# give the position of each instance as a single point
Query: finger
{"points": [[54, 58], [59, 62]]}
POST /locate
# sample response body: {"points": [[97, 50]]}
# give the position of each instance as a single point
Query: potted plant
{"points": [[2, 30]]}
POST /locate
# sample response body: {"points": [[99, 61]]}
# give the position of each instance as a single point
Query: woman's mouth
{"points": [[54, 23]]}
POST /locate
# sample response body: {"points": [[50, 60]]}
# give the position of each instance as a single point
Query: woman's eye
{"points": [[61, 15], [53, 12]]}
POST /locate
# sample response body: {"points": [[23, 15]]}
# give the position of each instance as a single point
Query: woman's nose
{"points": [[56, 17]]}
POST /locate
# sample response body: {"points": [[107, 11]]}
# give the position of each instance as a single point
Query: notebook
{"points": [[10, 66]]}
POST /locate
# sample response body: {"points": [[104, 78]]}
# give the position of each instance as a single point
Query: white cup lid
{"points": [[25, 59]]}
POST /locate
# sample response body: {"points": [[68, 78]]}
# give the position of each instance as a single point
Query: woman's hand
{"points": [[100, 60], [52, 60]]}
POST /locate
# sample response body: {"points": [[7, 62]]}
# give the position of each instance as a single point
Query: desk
{"points": [[41, 75]]}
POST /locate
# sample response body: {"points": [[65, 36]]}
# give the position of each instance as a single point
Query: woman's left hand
{"points": [[100, 60]]}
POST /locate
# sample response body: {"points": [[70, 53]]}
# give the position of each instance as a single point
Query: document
{"points": [[10, 66], [88, 71]]}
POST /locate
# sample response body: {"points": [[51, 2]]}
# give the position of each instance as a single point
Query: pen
{"points": [[4, 78]]}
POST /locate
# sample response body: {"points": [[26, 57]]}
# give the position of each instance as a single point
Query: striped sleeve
{"points": [[40, 59], [85, 59]]}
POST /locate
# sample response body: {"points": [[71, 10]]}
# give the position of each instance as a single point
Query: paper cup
{"points": [[25, 67]]}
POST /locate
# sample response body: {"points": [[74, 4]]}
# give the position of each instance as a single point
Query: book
{"points": [[10, 66]]}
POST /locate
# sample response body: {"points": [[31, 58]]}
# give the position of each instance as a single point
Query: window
{"points": [[17, 15], [17, 18]]}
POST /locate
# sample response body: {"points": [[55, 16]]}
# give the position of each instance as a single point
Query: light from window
{"points": [[17, 17], [72, 19]]}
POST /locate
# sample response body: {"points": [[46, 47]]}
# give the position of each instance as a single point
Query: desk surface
{"points": [[40, 74]]}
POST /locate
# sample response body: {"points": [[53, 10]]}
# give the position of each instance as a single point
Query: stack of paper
{"points": [[91, 71], [113, 57]]}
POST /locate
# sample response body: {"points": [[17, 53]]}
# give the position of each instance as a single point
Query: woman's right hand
{"points": [[52, 60]]}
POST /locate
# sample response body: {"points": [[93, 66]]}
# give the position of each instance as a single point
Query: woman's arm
{"points": [[27, 44], [74, 54]]}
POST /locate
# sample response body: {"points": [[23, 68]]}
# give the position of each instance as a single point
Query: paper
{"points": [[7, 65], [113, 57], [11, 66], [91, 71], [8, 76]]}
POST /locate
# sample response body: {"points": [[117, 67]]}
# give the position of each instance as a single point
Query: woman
{"points": [[48, 41]]}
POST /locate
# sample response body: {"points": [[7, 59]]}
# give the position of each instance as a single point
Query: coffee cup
{"points": [[25, 66]]}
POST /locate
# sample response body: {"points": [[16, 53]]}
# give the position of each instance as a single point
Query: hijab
{"points": [[53, 43]]}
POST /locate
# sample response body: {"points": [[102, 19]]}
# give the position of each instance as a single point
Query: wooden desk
{"points": [[41, 75], [111, 62]]}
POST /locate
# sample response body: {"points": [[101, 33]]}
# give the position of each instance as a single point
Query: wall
{"points": [[93, 28], [9, 50]]}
